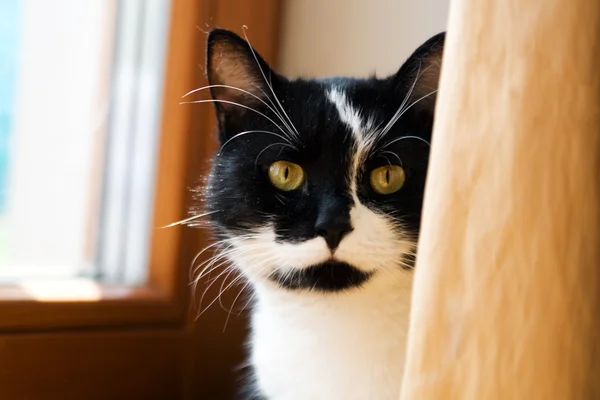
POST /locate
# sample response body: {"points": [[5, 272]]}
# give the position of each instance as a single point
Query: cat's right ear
{"points": [[421, 72], [236, 72]]}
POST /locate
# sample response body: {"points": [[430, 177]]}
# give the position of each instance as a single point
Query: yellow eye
{"points": [[387, 179], [285, 175]]}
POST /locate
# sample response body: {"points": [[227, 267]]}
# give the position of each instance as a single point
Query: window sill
{"points": [[83, 304]]}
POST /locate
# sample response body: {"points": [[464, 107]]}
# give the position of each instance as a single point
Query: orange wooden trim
{"points": [[146, 352], [140, 364], [169, 262], [108, 306]]}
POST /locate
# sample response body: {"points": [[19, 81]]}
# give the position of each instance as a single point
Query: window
{"points": [[78, 137], [96, 154]]}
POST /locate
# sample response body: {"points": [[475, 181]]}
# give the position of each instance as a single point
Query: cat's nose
{"points": [[333, 229]]}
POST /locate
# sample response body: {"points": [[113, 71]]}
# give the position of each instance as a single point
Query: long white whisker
{"points": [[226, 270], [393, 154], [214, 263], [227, 243], [403, 138], [244, 28], [235, 104], [209, 264], [404, 101], [211, 261], [221, 291], [231, 249], [415, 102], [186, 220], [270, 107], [248, 282], [236, 298], [269, 146], [229, 271], [248, 132], [292, 130], [385, 131]]}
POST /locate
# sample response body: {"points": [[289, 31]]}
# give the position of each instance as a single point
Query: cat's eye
{"points": [[285, 175], [387, 179]]}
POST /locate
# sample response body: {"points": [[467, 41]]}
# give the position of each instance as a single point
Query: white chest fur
{"points": [[347, 346]]}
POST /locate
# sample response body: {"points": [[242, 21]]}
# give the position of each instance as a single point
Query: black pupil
{"points": [[387, 176], [287, 173]]}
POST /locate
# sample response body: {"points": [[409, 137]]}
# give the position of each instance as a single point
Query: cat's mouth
{"points": [[328, 276]]}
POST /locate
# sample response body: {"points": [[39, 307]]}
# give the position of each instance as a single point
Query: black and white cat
{"points": [[316, 196]]}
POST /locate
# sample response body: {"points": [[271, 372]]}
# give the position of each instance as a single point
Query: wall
{"points": [[355, 37]]}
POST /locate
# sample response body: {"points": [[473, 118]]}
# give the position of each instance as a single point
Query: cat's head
{"points": [[318, 183]]}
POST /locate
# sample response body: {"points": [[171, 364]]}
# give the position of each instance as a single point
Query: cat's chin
{"points": [[329, 276]]}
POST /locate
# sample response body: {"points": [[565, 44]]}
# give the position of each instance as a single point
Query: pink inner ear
{"points": [[230, 66], [429, 75]]}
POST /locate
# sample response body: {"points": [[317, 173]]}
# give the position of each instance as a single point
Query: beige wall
{"points": [[355, 37]]}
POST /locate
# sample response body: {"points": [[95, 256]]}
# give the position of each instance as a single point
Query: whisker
{"points": [[403, 138], [227, 243], [385, 131], [416, 101], [211, 261], [248, 132], [244, 28], [248, 283], [226, 270], [269, 146], [231, 249], [221, 291], [186, 220], [233, 304], [393, 154], [270, 107], [280, 198], [292, 129], [404, 101], [235, 104]]}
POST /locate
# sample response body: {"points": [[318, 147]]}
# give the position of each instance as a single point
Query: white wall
{"points": [[355, 37]]}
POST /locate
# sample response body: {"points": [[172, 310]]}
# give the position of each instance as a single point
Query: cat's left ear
{"points": [[421, 72], [236, 71]]}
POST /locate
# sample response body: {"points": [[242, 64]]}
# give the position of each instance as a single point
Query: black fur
{"points": [[249, 388], [240, 196], [239, 192], [331, 276]]}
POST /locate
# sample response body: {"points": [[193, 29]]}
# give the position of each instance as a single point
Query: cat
{"points": [[315, 195]]}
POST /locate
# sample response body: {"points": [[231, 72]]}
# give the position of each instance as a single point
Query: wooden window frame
{"points": [[161, 301], [184, 146], [146, 342]]}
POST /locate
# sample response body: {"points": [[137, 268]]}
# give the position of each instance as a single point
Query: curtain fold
{"points": [[506, 294]]}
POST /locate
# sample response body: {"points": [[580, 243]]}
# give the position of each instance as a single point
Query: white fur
{"points": [[347, 346], [348, 114], [331, 346]]}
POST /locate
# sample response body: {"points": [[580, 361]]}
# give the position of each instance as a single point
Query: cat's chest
{"points": [[331, 350]]}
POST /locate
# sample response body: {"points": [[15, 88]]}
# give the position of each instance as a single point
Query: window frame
{"points": [[147, 342], [161, 301]]}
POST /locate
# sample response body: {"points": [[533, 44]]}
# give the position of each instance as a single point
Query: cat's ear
{"points": [[236, 72], [420, 74]]}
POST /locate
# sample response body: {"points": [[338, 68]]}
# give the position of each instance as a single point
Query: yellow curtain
{"points": [[506, 296]]}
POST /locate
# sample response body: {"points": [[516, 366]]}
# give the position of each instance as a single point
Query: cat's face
{"points": [[318, 183]]}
